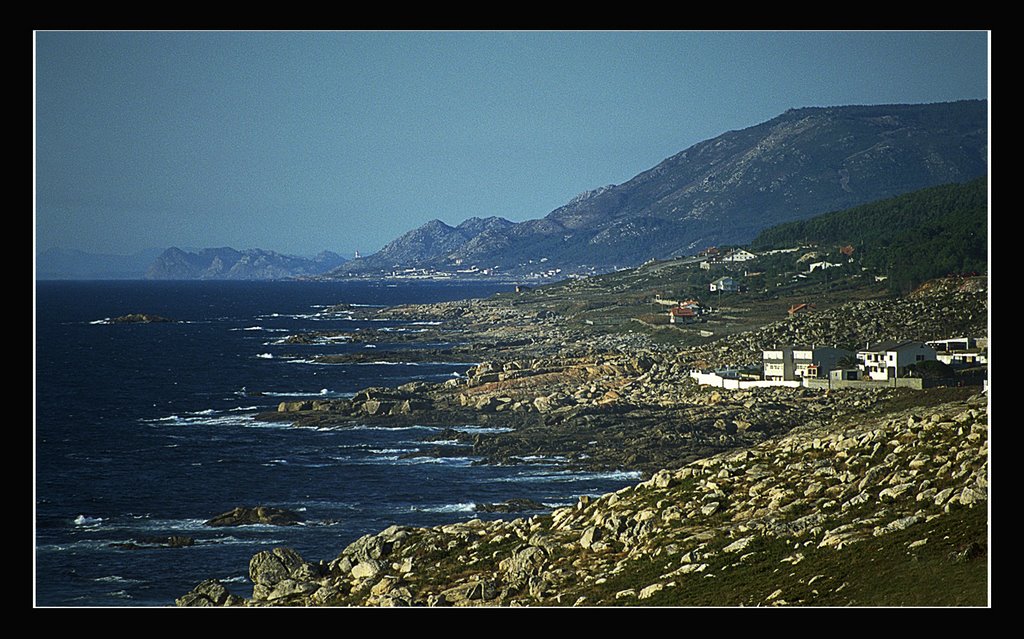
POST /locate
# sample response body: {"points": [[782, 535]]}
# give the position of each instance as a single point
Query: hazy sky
{"points": [[304, 141]]}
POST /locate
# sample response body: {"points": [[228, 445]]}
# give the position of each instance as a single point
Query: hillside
{"points": [[802, 163], [911, 238], [229, 264]]}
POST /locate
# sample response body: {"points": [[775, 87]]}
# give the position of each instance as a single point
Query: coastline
{"points": [[611, 401]]}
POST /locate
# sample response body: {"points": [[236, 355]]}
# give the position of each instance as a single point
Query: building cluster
{"points": [[881, 361], [713, 257]]}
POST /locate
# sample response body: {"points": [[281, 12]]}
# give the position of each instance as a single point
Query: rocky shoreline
{"points": [[724, 470]]}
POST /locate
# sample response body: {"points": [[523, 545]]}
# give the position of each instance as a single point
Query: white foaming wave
{"points": [[244, 408], [84, 520], [204, 418], [566, 476], [105, 320], [208, 411], [470, 430], [323, 392], [444, 461], [425, 323], [234, 541], [392, 428], [447, 442], [237, 579], [248, 328], [265, 356], [117, 579], [466, 507], [392, 451]]}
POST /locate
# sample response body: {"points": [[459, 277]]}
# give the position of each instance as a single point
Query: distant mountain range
{"points": [[177, 264], [723, 191], [229, 264]]}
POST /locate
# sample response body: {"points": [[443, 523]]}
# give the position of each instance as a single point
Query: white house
{"points": [[961, 351], [738, 255], [889, 360], [725, 284], [822, 265], [797, 362]]}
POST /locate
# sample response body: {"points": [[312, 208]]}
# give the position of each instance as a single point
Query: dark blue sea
{"points": [[148, 430]]}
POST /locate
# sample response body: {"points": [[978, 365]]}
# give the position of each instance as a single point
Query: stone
{"points": [[649, 591], [208, 593], [366, 569], [294, 407], [270, 567]]}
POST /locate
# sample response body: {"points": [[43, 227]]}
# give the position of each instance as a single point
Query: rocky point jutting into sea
{"points": [[764, 496]]}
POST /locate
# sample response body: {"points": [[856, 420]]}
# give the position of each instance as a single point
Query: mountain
{"points": [[72, 264], [803, 163], [230, 264]]}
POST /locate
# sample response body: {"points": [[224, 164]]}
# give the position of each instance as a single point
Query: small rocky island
{"points": [[140, 318], [243, 516]]}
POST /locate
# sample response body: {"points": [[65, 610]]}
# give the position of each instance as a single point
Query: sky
{"points": [[300, 142]]}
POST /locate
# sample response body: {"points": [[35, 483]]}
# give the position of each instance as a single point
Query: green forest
{"points": [[910, 238]]}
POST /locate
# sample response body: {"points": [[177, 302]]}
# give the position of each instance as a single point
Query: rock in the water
{"points": [[259, 515], [139, 318], [515, 505], [173, 541]]}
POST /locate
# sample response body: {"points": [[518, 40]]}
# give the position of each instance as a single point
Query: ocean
{"points": [[148, 430]]}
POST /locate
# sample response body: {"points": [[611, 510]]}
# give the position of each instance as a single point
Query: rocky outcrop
{"points": [[139, 318], [242, 516], [154, 541], [515, 505]]}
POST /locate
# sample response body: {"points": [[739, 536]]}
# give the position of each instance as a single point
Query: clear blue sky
{"points": [[304, 141]]}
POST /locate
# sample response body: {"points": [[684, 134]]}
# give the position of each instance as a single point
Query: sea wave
{"points": [[465, 507], [117, 579], [265, 356], [203, 418], [568, 476], [323, 392], [483, 430], [84, 520], [392, 428]]}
